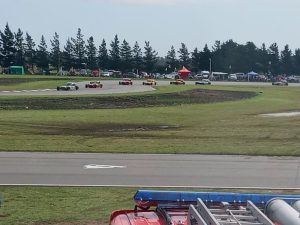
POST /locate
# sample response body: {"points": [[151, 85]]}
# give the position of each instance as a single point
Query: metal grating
{"points": [[226, 214]]}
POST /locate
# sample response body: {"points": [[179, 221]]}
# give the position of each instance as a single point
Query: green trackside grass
{"points": [[42, 205], [27, 82], [72, 205], [220, 128]]}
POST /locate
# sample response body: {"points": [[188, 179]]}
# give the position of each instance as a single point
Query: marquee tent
{"points": [[184, 72]]}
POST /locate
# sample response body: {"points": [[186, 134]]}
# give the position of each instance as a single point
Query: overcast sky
{"points": [[162, 22]]}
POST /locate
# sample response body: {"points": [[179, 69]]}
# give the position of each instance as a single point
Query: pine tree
{"points": [[8, 47], [296, 61], [42, 56], [274, 58], [126, 56], [216, 60], [286, 60], [115, 53], [29, 52], [55, 54], [171, 60], [103, 59], [91, 52], [228, 56], [68, 58], [205, 56], [263, 58], [19, 46], [184, 57], [150, 57], [79, 49], [196, 60], [1, 54], [137, 57], [247, 58]]}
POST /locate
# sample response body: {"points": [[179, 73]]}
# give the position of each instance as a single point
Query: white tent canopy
{"points": [[252, 73]]}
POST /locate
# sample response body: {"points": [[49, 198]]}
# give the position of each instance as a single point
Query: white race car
{"points": [[70, 86]]}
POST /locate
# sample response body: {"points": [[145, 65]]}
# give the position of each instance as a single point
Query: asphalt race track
{"points": [[109, 87], [113, 87], [148, 170]]}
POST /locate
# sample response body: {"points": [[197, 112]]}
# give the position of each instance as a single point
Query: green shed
{"points": [[16, 70]]}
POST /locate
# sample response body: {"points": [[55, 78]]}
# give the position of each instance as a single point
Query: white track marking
{"points": [[95, 166], [16, 91]]}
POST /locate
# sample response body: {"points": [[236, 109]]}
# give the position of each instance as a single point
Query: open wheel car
{"points": [[94, 84]]}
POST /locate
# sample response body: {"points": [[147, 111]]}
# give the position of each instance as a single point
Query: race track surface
{"points": [[148, 170], [113, 87]]}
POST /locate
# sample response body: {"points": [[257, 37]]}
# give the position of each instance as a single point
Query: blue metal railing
{"points": [[163, 197]]}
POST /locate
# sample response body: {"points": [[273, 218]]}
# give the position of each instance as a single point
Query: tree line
{"points": [[17, 48]]}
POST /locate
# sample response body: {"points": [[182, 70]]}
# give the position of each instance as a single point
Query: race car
{"points": [[203, 82], [150, 82], [126, 81], [70, 86], [178, 82], [94, 84], [280, 83]]}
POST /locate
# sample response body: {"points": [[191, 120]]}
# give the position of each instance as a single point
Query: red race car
{"points": [[125, 81], [94, 84]]}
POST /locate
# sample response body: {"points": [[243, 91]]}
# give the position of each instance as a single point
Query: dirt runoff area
{"points": [[195, 96]]}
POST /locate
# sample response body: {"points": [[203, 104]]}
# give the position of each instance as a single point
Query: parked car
{"points": [[205, 74], [126, 81], [172, 75], [106, 74], [198, 76], [232, 77], [94, 84], [178, 82], [131, 75], [70, 86], [203, 82], [293, 79], [150, 82], [280, 83]]}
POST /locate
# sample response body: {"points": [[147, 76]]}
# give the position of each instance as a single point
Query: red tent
{"points": [[184, 72]]}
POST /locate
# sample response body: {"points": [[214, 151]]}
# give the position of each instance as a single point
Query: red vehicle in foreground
{"points": [[209, 208], [126, 81]]}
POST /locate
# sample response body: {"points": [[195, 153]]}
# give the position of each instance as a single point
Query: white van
{"points": [[205, 74], [232, 77]]}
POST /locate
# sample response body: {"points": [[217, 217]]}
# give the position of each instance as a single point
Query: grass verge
{"points": [[232, 127], [71, 205]]}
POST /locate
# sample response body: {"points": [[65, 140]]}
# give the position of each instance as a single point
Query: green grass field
{"points": [[70, 205], [233, 127], [218, 128], [55, 205]]}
